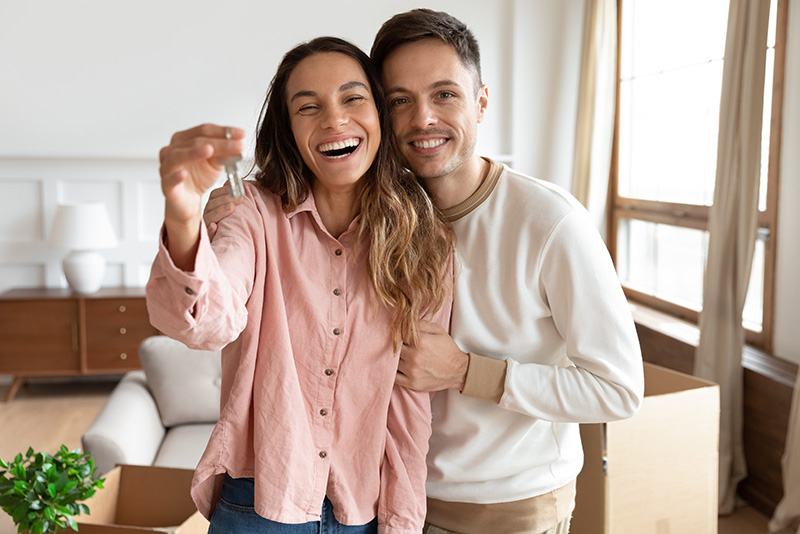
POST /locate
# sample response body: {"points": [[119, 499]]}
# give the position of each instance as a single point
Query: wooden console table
{"points": [[55, 332]]}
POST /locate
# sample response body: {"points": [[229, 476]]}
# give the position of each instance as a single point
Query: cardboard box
{"points": [[140, 499], [657, 472]]}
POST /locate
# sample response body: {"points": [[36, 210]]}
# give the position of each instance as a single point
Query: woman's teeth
{"points": [[339, 149]]}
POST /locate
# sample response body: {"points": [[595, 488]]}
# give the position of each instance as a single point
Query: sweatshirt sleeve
{"points": [[402, 504], [604, 379], [205, 309]]}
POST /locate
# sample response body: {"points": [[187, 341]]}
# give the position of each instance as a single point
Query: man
{"points": [[542, 337]]}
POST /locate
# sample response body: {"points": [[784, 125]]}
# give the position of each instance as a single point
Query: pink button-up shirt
{"points": [[308, 402]]}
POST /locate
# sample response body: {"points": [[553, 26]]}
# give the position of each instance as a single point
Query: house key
{"points": [[232, 171]]}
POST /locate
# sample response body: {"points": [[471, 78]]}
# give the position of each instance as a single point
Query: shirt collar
{"points": [[309, 205]]}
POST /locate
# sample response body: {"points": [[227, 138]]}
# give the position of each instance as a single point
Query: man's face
{"points": [[434, 107]]}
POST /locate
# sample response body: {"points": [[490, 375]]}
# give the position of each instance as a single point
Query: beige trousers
{"points": [[561, 528]]}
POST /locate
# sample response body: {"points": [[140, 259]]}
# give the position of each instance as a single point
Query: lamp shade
{"points": [[83, 226]]}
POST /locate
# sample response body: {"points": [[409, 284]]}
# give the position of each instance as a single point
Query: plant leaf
{"points": [[20, 511]]}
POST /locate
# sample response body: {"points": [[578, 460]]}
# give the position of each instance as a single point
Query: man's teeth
{"points": [[334, 150], [430, 143]]}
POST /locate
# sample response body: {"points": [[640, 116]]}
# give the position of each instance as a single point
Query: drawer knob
{"points": [[123, 330], [122, 309], [123, 356]]}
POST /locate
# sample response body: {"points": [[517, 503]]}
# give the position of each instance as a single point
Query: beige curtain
{"points": [[732, 228], [594, 133], [786, 519]]}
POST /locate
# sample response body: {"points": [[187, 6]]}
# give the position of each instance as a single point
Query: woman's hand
{"points": [[190, 165], [220, 204]]}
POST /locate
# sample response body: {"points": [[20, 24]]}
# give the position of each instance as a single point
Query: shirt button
{"points": [[323, 454], [337, 291], [338, 252], [336, 331], [328, 372], [189, 291], [323, 412]]}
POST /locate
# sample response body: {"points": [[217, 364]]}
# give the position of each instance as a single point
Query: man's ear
{"points": [[483, 101]]}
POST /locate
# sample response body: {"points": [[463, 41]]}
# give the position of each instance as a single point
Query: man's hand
{"points": [[220, 204], [436, 364]]}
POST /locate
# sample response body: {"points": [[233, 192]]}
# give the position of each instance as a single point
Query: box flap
{"points": [[103, 505], [197, 524], [681, 424], [163, 492], [660, 380]]}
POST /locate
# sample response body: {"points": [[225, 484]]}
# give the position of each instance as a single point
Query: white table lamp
{"points": [[83, 229]]}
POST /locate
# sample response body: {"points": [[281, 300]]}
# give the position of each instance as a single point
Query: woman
{"points": [[310, 287]]}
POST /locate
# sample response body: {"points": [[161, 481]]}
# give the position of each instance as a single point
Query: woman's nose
{"points": [[334, 117]]}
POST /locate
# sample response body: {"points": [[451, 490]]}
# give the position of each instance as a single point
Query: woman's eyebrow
{"points": [[300, 94], [344, 87], [352, 85]]}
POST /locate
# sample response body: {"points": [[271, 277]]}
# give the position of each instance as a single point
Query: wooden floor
{"points": [[46, 414]]}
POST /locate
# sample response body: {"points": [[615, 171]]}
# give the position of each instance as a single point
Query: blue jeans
{"points": [[234, 514]]}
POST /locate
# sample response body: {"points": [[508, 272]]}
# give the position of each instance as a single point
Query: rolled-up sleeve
{"points": [[204, 309]]}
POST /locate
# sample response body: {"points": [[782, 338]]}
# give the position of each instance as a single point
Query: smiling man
{"points": [[542, 336]]}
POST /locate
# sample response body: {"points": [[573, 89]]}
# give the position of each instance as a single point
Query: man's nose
{"points": [[423, 115]]}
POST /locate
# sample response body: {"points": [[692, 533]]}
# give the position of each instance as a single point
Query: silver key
{"points": [[234, 180]]}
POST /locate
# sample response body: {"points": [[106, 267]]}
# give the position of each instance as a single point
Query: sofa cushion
{"points": [[183, 446], [185, 382]]}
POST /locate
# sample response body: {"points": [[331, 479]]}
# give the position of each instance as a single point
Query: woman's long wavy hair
{"points": [[409, 244]]}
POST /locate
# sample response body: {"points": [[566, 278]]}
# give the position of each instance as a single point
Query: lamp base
{"points": [[84, 270]]}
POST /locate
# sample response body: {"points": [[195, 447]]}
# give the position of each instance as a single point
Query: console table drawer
{"points": [[114, 329]]}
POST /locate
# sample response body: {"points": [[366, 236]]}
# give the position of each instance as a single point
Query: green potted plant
{"points": [[41, 492]]}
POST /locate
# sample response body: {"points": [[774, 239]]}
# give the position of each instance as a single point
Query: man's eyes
{"points": [[441, 95]]}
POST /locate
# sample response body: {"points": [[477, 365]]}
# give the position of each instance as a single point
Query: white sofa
{"points": [[162, 415]]}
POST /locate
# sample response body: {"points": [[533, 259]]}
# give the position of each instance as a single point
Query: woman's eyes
{"points": [[307, 109]]}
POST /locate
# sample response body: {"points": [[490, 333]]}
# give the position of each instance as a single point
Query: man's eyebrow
{"points": [[443, 83], [434, 85]]}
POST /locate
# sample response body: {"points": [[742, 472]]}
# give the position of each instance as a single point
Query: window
{"points": [[670, 78]]}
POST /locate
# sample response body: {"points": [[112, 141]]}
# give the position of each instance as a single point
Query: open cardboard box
{"points": [[657, 472], [140, 499]]}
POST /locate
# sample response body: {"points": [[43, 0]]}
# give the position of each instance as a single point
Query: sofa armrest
{"points": [[128, 429]]}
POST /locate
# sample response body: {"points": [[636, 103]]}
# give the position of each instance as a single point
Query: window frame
{"points": [[696, 216]]}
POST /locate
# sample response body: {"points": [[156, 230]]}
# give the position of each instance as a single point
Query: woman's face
{"points": [[334, 119]]}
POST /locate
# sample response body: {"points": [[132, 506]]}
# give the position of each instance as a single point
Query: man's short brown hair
{"points": [[419, 24]]}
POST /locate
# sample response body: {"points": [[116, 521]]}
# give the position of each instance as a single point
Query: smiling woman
{"points": [[330, 261]]}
